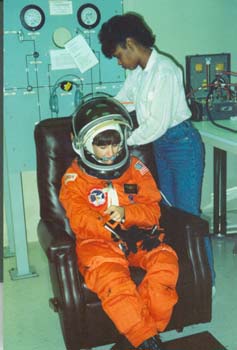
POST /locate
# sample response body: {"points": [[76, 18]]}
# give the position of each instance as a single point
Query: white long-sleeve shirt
{"points": [[158, 96]]}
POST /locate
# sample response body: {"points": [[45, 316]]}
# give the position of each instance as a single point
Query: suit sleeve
{"points": [[145, 211], [85, 222]]}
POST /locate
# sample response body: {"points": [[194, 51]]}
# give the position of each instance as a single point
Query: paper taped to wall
{"points": [[60, 7], [60, 59], [81, 52]]}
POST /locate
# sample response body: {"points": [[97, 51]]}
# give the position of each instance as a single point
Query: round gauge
{"points": [[61, 36], [32, 17], [88, 16]]}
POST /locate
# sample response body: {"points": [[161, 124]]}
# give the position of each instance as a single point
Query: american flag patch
{"points": [[141, 167]]}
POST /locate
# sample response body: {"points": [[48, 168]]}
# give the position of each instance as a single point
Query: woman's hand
{"points": [[116, 213]]}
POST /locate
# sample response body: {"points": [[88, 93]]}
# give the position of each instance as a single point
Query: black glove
{"points": [[134, 233], [131, 236], [152, 240], [149, 238], [118, 234]]}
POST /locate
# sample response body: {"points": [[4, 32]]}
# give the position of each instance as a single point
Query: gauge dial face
{"points": [[61, 36], [32, 17], [88, 16]]}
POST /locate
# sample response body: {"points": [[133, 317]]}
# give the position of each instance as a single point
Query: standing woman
{"points": [[154, 88]]}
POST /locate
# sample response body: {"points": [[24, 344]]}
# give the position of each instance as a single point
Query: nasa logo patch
{"points": [[97, 197]]}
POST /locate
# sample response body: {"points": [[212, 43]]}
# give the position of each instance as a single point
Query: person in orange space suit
{"points": [[112, 203]]}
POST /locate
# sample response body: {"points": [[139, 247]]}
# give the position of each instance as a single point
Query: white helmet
{"points": [[93, 116]]}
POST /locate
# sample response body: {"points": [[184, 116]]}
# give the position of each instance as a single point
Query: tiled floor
{"points": [[29, 323]]}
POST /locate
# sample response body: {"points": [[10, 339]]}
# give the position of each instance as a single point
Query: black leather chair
{"points": [[83, 322]]}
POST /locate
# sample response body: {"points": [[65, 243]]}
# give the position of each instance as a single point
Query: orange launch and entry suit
{"points": [[137, 312]]}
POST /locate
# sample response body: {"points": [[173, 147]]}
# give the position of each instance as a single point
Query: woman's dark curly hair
{"points": [[117, 29]]}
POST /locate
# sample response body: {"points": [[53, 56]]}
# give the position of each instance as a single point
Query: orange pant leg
{"points": [[157, 289], [111, 281]]}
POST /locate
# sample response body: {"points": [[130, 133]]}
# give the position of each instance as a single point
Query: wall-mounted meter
{"points": [[88, 16], [61, 36], [32, 17]]}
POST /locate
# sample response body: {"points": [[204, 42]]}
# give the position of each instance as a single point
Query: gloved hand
{"points": [[134, 233], [153, 239], [150, 242], [131, 236], [150, 238]]}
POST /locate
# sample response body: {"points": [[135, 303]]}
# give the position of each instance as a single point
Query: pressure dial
{"points": [[88, 16], [32, 17]]}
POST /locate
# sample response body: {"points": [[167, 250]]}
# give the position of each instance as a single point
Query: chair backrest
{"points": [[54, 154]]}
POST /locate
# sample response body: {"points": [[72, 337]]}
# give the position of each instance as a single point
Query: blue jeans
{"points": [[180, 160]]}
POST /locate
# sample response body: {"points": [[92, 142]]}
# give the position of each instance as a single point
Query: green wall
{"points": [[188, 27]]}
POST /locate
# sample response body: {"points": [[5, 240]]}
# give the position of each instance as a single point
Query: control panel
{"points": [[210, 93], [52, 58]]}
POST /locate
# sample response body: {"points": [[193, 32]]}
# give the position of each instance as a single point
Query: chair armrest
{"points": [[172, 218], [186, 234], [54, 240], [67, 283]]}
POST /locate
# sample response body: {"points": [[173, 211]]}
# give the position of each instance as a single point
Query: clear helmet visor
{"points": [[83, 146], [89, 138]]}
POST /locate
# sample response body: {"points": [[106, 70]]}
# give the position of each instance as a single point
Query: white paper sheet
{"points": [[60, 7], [60, 59], [81, 53]]}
